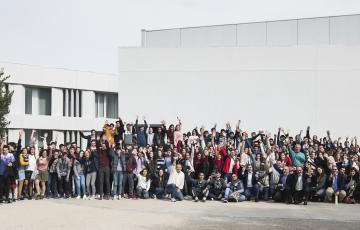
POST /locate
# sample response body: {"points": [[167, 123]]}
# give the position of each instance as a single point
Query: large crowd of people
{"points": [[132, 161]]}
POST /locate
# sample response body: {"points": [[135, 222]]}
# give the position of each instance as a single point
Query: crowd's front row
{"points": [[217, 166]]}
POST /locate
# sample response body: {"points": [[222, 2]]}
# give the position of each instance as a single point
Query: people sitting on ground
{"points": [[234, 191]]}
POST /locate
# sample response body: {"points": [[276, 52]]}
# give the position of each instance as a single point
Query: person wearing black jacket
{"points": [[118, 168], [120, 130], [90, 137], [16, 151], [199, 188], [206, 165], [141, 134], [336, 185], [159, 136], [250, 183], [319, 188], [301, 186], [160, 181], [90, 167], [351, 183], [216, 187], [283, 189]]}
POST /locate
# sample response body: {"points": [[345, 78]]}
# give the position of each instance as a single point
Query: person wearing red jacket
{"points": [[231, 165]]}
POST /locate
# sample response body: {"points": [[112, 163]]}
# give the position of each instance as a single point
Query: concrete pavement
{"points": [[162, 214]]}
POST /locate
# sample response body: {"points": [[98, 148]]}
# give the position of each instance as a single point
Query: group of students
{"points": [[133, 161]]}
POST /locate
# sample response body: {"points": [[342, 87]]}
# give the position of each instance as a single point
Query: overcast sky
{"points": [[85, 34]]}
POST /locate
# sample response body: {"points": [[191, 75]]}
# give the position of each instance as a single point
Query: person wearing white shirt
{"points": [[249, 178], [143, 185], [176, 183]]}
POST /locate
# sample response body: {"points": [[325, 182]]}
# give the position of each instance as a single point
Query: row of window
{"points": [[38, 102], [69, 136]]}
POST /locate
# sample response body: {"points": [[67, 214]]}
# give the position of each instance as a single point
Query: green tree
{"points": [[5, 101]]}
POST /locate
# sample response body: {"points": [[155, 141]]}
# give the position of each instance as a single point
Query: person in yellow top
{"points": [[23, 164], [110, 133]]}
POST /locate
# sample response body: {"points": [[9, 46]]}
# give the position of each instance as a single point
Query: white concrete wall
{"points": [[264, 87], [209, 36], [334, 30], [59, 78], [251, 34], [313, 31], [345, 30], [17, 106], [167, 38], [57, 102], [88, 108], [282, 33]]}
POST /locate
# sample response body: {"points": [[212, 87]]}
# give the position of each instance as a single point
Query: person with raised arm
{"points": [[298, 158], [178, 136], [141, 132], [43, 174], [90, 137], [176, 183]]}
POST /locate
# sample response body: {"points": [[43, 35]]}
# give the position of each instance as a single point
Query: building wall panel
{"points": [[209, 36]]}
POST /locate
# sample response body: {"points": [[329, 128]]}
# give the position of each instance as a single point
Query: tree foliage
{"points": [[5, 101]]}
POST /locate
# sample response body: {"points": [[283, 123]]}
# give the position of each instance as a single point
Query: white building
{"points": [[290, 73], [59, 101]]}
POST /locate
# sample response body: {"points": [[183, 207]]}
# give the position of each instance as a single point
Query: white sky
{"points": [[85, 34]]}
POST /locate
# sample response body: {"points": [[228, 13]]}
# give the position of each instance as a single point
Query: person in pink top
{"points": [[42, 177], [178, 136]]}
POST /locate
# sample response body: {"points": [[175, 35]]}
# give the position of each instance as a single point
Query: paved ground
{"points": [[155, 214]]}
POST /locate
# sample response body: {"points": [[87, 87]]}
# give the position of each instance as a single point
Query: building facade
{"points": [[60, 102], [322, 31], [290, 73]]}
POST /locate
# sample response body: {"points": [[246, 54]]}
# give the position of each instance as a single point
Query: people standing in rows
{"points": [[142, 161]]}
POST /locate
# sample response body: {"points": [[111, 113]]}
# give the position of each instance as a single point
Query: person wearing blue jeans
{"points": [[234, 190], [252, 191], [79, 177], [118, 168], [118, 188], [250, 180], [159, 192], [160, 181], [143, 185], [176, 182], [174, 192], [80, 186]]}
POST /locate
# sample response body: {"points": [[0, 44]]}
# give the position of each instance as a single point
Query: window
{"points": [[28, 100], [37, 135], [44, 101], [37, 101], [106, 105]]}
